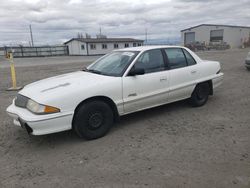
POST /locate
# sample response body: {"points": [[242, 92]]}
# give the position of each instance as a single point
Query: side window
{"points": [[151, 61], [176, 58], [104, 46], [92, 46], [190, 59]]}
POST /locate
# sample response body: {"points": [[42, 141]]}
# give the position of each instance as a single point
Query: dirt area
{"points": [[173, 145]]}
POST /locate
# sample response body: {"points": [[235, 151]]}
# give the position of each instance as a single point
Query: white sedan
{"points": [[121, 82]]}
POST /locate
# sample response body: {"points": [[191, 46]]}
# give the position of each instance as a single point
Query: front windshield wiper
{"points": [[95, 71]]}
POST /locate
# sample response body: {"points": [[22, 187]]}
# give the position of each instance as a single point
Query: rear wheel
{"points": [[200, 95], [93, 120]]}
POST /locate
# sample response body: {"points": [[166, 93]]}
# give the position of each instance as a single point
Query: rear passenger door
{"points": [[183, 73]]}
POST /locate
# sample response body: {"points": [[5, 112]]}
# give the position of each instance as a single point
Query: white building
{"points": [[99, 46], [232, 35]]}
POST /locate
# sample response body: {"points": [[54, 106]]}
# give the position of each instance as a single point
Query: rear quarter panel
{"points": [[208, 70]]}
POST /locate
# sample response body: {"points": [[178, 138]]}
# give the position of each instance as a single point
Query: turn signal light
{"points": [[50, 109]]}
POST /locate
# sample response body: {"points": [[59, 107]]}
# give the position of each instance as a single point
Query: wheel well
{"points": [[107, 100], [211, 90], [210, 84]]}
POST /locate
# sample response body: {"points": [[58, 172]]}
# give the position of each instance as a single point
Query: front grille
{"points": [[21, 101]]}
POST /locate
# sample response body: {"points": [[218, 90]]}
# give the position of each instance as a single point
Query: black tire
{"points": [[200, 95], [93, 120]]}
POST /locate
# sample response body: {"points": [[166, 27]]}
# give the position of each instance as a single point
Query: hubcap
{"points": [[95, 120]]}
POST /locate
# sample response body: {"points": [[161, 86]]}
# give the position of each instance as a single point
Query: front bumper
{"points": [[40, 124]]}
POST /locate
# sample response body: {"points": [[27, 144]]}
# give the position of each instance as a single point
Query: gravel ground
{"points": [[173, 145]]}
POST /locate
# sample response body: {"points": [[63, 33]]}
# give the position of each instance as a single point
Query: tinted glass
{"points": [[176, 58], [190, 59], [151, 61]]}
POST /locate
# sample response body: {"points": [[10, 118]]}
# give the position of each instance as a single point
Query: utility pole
{"points": [[146, 35], [31, 37]]}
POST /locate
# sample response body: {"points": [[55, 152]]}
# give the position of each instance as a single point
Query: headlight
{"points": [[40, 109]]}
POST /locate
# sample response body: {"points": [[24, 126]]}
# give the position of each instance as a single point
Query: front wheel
{"points": [[93, 120], [200, 95]]}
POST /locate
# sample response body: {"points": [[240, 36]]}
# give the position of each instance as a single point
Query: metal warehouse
{"points": [[99, 46], [207, 34]]}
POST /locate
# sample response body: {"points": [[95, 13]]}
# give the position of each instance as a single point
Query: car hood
{"points": [[58, 85]]}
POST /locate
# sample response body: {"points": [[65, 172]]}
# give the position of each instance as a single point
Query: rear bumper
{"points": [[40, 124], [217, 81]]}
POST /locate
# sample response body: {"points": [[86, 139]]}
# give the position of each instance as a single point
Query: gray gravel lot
{"points": [[173, 145]]}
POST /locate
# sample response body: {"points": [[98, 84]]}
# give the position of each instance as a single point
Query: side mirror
{"points": [[136, 71]]}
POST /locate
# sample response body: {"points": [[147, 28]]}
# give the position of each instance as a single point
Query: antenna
{"points": [[31, 36]]}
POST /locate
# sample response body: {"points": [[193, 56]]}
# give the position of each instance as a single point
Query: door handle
{"points": [[163, 79], [193, 71]]}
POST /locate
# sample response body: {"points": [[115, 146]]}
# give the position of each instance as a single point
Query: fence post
{"points": [[21, 50], [13, 73]]}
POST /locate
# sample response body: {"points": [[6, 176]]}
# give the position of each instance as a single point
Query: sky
{"points": [[56, 21]]}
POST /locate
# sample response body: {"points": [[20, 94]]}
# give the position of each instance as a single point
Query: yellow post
{"points": [[13, 73]]}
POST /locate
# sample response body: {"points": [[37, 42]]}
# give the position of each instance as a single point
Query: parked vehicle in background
{"points": [[247, 61], [121, 82]]}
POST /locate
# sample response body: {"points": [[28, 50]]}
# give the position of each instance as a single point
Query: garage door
{"points": [[189, 37]]}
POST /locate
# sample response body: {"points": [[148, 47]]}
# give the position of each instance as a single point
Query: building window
{"points": [[116, 46], [82, 47], [134, 44], [104, 46], [216, 35], [126, 45], [139, 44], [92, 46]]}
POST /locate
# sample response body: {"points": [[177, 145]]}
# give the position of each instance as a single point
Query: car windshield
{"points": [[113, 64]]}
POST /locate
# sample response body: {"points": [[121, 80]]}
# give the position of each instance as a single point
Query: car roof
{"points": [[150, 47]]}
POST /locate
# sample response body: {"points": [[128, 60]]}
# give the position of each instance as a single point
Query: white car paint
{"points": [[129, 93]]}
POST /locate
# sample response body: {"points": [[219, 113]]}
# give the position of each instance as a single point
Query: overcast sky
{"points": [[55, 21]]}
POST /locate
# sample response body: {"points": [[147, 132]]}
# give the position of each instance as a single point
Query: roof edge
{"points": [[215, 25], [107, 40]]}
